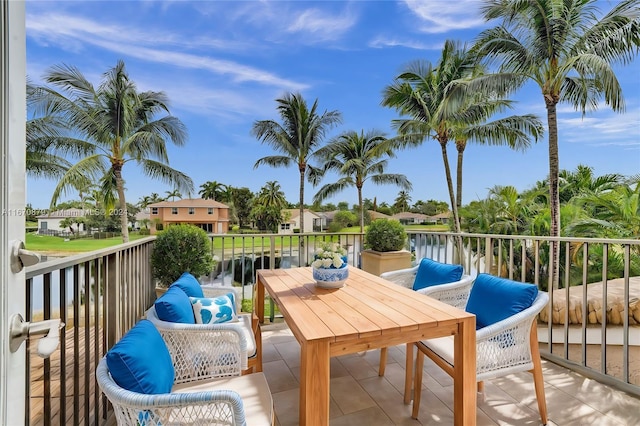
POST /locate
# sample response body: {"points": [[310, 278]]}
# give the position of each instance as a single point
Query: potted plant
{"points": [[385, 251], [179, 249], [330, 267]]}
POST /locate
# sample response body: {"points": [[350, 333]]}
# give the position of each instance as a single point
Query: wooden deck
{"points": [[48, 377]]}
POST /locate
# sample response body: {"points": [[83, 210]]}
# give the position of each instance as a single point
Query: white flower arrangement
{"points": [[329, 255]]}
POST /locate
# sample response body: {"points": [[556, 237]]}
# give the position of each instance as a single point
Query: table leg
{"points": [[314, 383], [464, 374], [258, 301]]}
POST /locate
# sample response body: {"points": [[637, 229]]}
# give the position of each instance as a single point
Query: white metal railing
{"points": [[611, 310], [100, 295]]}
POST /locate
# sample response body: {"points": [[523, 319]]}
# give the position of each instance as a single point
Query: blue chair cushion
{"points": [[140, 361], [174, 306], [214, 310], [431, 273], [189, 284], [493, 299]]}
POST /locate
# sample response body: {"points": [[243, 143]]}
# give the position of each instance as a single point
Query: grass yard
{"points": [[51, 244]]}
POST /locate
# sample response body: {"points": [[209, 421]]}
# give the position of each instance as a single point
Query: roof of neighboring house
{"points": [[444, 215], [143, 214], [61, 214], [378, 215], [296, 212], [409, 215], [191, 202]]}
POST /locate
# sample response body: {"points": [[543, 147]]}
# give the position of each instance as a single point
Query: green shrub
{"points": [[385, 235], [178, 249]]}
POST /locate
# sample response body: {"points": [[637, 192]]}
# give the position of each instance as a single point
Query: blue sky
{"points": [[223, 64]]}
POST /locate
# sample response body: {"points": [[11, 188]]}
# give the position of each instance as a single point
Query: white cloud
{"points": [[67, 30], [382, 41], [321, 25], [442, 16]]}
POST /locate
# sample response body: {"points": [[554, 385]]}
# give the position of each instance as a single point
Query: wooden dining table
{"points": [[368, 312]]}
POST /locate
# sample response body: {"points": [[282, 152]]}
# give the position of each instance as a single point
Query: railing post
{"points": [[113, 324]]}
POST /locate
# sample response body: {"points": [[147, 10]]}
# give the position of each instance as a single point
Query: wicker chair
{"points": [[508, 346], [455, 294], [248, 324], [213, 393]]}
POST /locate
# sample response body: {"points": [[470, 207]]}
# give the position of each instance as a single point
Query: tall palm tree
{"points": [[402, 201], [515, 131], [566, 49], [296, 138], [116, 125], [212, 190], [357, 157]]}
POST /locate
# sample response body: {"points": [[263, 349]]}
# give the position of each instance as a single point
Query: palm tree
{"points": [[424, 93], [296, 138], [212, 190], [173, 194], [357, 158], [564, 48], [268, 205], [401, 203], [515, 131], [118, 126]]}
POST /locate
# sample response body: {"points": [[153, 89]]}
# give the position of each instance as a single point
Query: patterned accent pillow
{"points": [[208, 310]]}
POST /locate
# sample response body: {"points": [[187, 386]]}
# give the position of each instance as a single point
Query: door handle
{"points": [[20, 257], [20, 330]]}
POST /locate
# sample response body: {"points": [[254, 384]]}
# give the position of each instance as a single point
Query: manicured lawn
{"points": [[46, 243]]}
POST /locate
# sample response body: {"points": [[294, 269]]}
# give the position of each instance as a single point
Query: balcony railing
{"points": [[100, 295]]}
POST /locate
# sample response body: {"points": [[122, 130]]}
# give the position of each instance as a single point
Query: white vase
{"points": [[330, 277]]}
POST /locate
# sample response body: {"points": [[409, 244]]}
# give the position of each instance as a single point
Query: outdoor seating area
{"points": [[318, 359]]}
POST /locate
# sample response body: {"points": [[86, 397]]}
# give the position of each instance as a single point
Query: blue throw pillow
{"points": [[431, 273], [189, 284], [493, 299], [140, 361], [175, 306], [214, 310]]}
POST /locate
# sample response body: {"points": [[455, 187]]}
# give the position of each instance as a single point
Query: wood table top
{"points": [[366, 307]]}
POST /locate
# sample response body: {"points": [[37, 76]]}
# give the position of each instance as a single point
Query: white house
{"points": [[408, 218], [291, 221], [49, 223]]}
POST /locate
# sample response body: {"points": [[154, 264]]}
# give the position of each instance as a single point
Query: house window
{"points": [[210, 210], [192, 210], [285, 226], [174, 210], [154, 210]]}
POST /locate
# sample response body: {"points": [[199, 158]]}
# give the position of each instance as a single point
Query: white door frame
{"points": [[12, 203]]}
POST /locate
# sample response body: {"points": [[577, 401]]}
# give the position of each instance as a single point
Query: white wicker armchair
{"points": [[213, 393], [187, 341], [455, 294], [508, 346]]}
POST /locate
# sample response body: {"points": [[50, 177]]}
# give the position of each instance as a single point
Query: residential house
{"points": [[291, 221], [142, 219], [442, 218], [49, 223], [210, 215], [408, 218]]}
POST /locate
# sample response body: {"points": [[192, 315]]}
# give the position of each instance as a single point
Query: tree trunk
{"points": [[124, 224], [452, 197], [460, 146], [554, 191], [302, 170], [361, 209]]}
